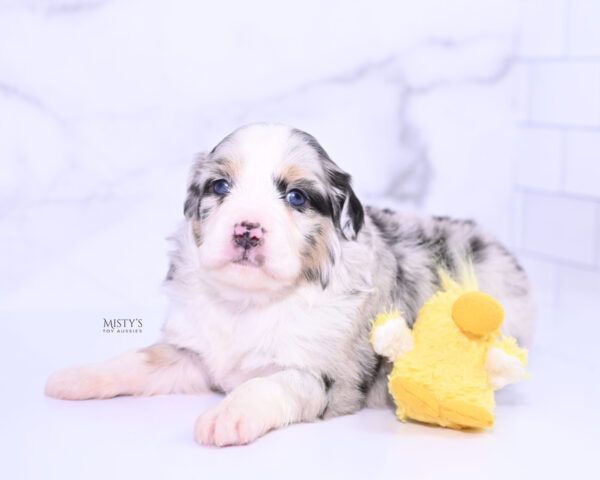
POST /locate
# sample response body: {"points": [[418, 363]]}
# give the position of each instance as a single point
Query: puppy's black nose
{"points": [[247, 235]]}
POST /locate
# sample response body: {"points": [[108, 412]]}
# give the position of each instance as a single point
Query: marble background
{"points": [[104, 103]]}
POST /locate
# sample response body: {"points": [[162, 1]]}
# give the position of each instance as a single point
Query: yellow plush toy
{"points": [[446, 370]]}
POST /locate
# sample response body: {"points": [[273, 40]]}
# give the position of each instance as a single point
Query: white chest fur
{"points": [[302, 331]]}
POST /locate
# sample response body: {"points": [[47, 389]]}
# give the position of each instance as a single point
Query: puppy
{"points": [[276, 273]]}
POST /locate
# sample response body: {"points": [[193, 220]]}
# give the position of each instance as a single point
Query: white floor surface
{"points": [[546, 427]]}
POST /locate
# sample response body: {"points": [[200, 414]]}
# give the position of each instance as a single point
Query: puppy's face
{"points": [[269, 210]]}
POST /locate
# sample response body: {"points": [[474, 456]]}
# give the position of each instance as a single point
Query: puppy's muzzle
{"points": [[248, 235]]}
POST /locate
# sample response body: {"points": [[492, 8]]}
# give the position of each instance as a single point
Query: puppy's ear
{"points": [[191, 207], [348, 213]]}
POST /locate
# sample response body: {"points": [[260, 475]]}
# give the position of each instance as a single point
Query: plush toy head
{"points": [[477, 313], [446, 370]]}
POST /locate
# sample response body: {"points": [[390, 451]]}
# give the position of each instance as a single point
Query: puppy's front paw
{"points": [[242, 417], [78, 383], [226, 425]]}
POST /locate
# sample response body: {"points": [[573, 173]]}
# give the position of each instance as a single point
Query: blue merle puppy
{"points": [[276, 273]]}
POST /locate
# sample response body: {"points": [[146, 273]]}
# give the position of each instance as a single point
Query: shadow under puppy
{"points": [[276, 275]]}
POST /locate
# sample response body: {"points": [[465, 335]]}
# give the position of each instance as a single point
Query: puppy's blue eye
{"points": [[295, 198], [221, 187]]}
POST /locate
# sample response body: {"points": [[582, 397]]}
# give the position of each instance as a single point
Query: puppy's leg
{"points": [[262, 404], [158, 369]]}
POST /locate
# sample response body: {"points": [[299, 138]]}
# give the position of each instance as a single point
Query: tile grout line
{"points": [[597, 239], [567, 28], [565, 59], [563, 162], [557, 261], [529, 92], [536, 124], [582, 197]]}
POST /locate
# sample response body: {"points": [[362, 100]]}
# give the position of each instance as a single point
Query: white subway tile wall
{"points": [[557, 178], [565, 92], [583, 38], [549, 41], [539, 162], [576, 287], [583, 159], [559, 227]]}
